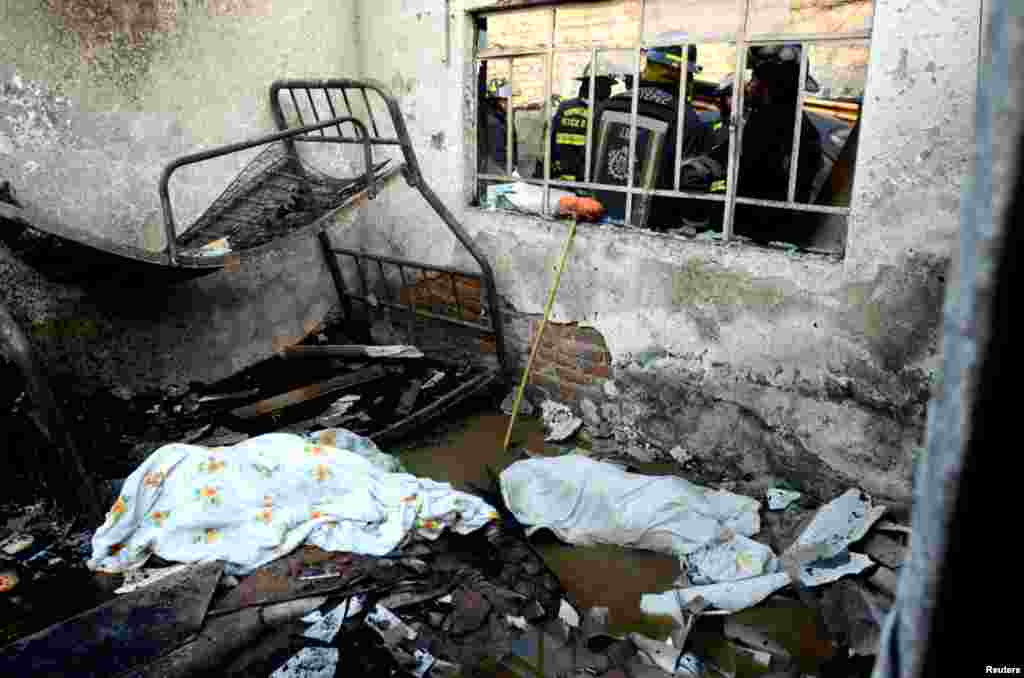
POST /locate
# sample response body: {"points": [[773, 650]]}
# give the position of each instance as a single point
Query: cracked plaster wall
{"points": [[830, 361], [96, 97]]}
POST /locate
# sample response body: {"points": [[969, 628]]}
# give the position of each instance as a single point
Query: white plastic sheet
{"points": [[736, 558], [828, 536], [590, 502]]}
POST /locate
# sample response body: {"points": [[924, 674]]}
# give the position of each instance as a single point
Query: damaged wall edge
{"points": [[63, 471]]}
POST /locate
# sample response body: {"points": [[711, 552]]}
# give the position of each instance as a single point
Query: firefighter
{"points": [[494, 137], [655, 144], [770, 99], [768, 132], [569, 127]]}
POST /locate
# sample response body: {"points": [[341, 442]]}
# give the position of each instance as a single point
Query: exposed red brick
{"points": [[601, 371]]}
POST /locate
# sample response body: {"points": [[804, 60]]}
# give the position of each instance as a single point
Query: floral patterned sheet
{"points": [[251, 503]]}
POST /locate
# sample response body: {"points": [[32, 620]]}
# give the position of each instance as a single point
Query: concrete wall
{"points": [[759, 364], [95, 98], [756, 365]]}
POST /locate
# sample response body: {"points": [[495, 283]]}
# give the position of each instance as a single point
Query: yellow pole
{"points": [[540, 333]]}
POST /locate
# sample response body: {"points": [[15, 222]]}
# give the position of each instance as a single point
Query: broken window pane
{"points": [[493, 82], [608, 24], [678, 20], [809, 16], [515, 31]]}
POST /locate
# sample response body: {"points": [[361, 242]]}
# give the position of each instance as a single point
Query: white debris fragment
{"points": [[310, 662], [389, 626], [446, 599], [338, 408], [838, 524], [216, 248], [680, 454], [436, 377], [326, 627], [656, 653], [736, 558], [517, 622], [559, 421], [610, 389], [424, 660], [17, 543], [567, 614], [141, 578], [779, 499]]}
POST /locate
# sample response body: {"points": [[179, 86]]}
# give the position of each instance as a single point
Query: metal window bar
{"points": [[590, 113], [549, 69], [742, 41], [801, 93], [735, 132], [684, 80], [634, 113], [609, 187], [510, 118]]}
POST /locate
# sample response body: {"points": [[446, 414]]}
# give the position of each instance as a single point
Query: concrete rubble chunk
{"points": [[559, 421], [526, 408], [885, 550], [310, 662]]}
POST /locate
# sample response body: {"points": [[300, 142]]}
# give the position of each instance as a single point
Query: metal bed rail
{"points": [[322, 100]]}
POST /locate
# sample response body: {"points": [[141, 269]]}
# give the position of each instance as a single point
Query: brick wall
{"points": [[569, 356]]}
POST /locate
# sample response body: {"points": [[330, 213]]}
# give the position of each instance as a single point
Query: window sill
{"points": [[775, 249]]}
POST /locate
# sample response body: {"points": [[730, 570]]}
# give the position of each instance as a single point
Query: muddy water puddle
{"points": [[609, 576], [595, 576]]}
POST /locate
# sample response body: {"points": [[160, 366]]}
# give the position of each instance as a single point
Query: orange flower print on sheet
{"points": [[209, 494], [268, 501], [322, 472], [266, 516], [317, 450], [115, 549], [154, 479], [209, 536], [117, 510], [212, 465], [158, 518]]}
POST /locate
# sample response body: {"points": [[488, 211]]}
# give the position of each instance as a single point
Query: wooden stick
{"points": [[540, 333]]}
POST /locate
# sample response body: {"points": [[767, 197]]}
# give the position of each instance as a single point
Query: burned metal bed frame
{"points": [[277, 176]]}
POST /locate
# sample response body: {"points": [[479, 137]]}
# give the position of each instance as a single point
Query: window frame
{"points": [[740, 41]]}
